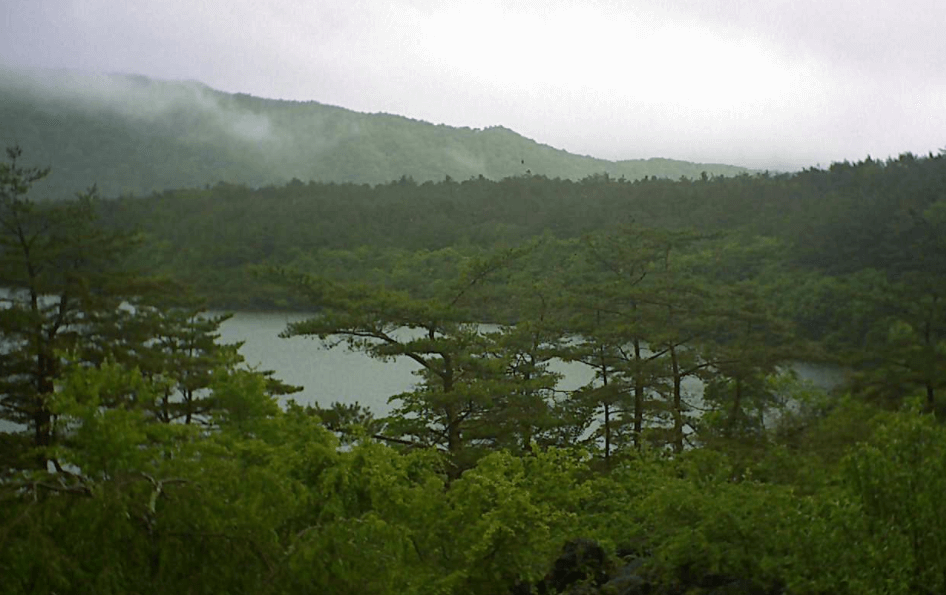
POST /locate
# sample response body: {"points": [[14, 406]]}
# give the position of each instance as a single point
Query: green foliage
{"points": [[102, 415], [507, 517], [134, 135], [898, 480], [139, 503], [61, 290], [478, 390], [151, 462], [265, 502], [70, 300], [720, 528]]}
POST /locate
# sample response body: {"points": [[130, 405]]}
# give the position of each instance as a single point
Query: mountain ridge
{"points": [[132, 134]]}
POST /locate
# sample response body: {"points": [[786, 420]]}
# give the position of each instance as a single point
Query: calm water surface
{"points": [[336, 374], [327, 375]]}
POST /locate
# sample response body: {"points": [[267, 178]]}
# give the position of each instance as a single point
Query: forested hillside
{"points": [[146, 458], [847, 220], [133, 135]]}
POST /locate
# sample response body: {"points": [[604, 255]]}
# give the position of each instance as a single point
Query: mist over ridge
{"points": [[130, 134]]}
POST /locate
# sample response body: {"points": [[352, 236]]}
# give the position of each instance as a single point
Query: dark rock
{"points": [[583, 563], [582, 589], [628, 580], [742, 587], [711, 581]]}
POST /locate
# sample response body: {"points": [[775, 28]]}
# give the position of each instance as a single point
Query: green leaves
{"points": [[898, 480], [266, 502], [157, 461], [477, 390]]}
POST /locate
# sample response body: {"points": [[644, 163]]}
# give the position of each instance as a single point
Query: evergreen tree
{"points": [[58, 272], [478, 391], [69, 301]]}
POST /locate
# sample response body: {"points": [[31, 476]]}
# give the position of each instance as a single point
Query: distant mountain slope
{"points": [[134, 135]]}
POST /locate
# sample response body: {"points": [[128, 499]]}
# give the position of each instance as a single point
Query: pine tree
{"points": [[474, 391], [57, 269], [68, 300]]}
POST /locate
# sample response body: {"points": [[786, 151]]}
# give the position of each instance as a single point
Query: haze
{"points": [[774, 85]]}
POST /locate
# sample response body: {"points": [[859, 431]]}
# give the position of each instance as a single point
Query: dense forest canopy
{"points": [[829, 225], [148, 459]]}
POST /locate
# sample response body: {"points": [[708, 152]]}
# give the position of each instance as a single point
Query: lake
{"points": [[337, 374]]}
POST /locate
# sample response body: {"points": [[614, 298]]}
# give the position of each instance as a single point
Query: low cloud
{"points": [[143, 100]]}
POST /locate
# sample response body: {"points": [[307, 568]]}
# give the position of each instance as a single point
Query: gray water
{"points": [[336, 374], [326, 375]]}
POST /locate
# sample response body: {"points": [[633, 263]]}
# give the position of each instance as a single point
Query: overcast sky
{"points": [[779, 84]]}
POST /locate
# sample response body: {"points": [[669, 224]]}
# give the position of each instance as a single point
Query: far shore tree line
{"points": [[141, 441]]}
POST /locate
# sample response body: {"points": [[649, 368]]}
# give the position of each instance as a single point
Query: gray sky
{"points": [[779, 84]]}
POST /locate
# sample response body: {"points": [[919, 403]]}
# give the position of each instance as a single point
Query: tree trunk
{"points": [[607, 407], [736, 408], [638, 395], [677, 401]]}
